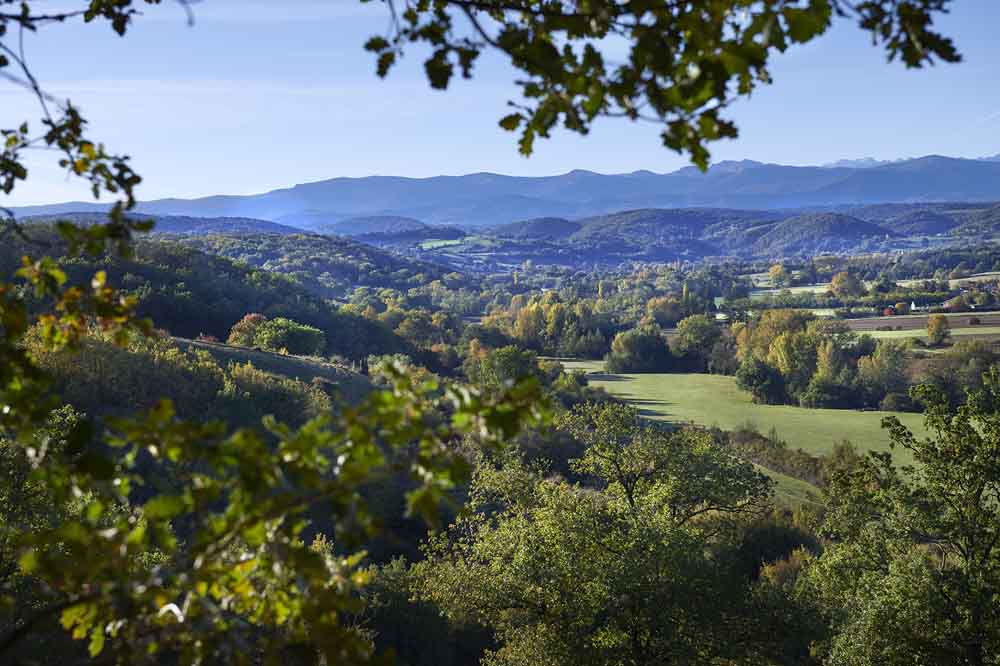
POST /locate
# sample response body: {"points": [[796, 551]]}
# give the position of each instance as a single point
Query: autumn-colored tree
{"points": [[938, 329], [846, 285], [778, 276]]}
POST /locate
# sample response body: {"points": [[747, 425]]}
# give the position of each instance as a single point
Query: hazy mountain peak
{"points": [[489, 199], [735, 166], [860, 163]]}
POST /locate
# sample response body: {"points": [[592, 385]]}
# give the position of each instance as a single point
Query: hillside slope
{"points": [[177, 224], [328, 266], [543, 228], [816, 233], [188, 292], [373, 224]]}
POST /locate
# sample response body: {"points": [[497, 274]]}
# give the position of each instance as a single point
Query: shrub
{"points": [[244, 331], [764, 382], [825, 393], [897, 402], [277, 335], [283, 334]]}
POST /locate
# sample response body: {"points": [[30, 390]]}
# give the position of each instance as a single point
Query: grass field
{"points": [[915, 326], [715, 400], [978, 277], [758, 294], [434, 244]]}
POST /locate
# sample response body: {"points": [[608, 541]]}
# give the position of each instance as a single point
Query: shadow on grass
{"points": [[646, 401], [607, 377]]}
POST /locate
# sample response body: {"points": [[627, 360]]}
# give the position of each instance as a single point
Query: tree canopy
{"points": [[687, 62]]}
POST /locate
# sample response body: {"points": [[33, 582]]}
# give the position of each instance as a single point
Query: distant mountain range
{"points": [[485, 199]]}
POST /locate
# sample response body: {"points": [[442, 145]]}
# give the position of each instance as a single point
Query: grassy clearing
{"points": [[715, 400], [789, 491], [758, 294], [434, 244]]}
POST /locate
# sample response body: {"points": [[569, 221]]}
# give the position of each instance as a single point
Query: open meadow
{"points": [[714, 400]]}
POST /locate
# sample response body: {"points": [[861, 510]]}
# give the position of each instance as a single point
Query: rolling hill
{"points": [[816, 233], [921, 223], [374, 224], [543, 228], [328, 266], [177, 224]]}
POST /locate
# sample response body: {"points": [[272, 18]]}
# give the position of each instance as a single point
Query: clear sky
{"points": [[261, 94]]}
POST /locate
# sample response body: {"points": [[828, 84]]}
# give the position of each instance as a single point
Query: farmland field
{"points": [[915, 326], [969, 332], [758, 294], [435, 244], [919, 321], [978, 277], [715, 400]]}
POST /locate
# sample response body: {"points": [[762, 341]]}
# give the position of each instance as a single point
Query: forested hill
{"points": [[545, 228], [190, 293], [817, 233], [175, 224], [668, 234], [328, 266], [488, 199], [375, 224]]}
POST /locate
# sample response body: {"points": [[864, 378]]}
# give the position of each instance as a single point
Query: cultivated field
{"points": [[435, 244], [915, 326], [919, 321], [978, 277], [968, 333], [758, 294]]}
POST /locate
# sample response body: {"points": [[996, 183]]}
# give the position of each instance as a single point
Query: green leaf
{"points": [[511, 122], [164, 507]]}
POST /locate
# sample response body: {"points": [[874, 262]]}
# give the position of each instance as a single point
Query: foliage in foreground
{"points": [[912, 573], [634, 567]]}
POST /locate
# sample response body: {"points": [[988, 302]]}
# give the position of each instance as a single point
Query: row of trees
{"points": [[789, 356]]}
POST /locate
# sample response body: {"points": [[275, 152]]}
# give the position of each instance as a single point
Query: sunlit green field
{"points": [[715, 400], [434, 244], [758, 294]]}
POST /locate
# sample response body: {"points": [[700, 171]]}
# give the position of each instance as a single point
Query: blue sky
{"points": [[261, 94]]}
